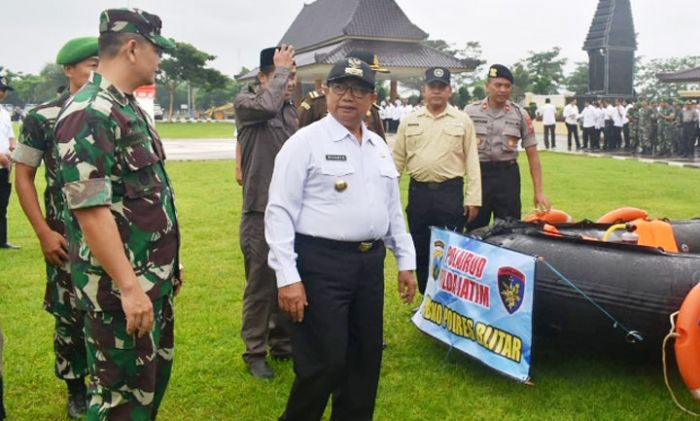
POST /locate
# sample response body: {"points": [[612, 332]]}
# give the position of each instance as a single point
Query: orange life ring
{"points": [[552, 216], [623, 215], [687, 345]]}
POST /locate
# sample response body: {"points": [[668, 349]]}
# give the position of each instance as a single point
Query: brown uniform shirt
{"points": [[264, 120], [439, 148], [313, 108], [498, 131]]}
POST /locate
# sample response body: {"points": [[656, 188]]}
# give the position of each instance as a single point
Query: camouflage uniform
{"points": [[36, 144], [313, 108], [678, 129], [644, 129], [110, 155], [633, 118], [665, 129]]}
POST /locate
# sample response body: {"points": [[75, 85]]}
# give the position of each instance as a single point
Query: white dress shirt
{"points": [[589, 116], [6, 132], [618, 115], [548, 113], [599, 118], [571, 114], [303, 197]]}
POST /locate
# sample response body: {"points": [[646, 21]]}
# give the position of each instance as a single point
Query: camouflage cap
{"points": [[135, 21], [77, 50]]}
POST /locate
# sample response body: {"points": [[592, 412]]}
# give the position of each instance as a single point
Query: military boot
{"points": [[77, 398]]}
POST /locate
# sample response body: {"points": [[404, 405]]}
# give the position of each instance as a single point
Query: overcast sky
{"points": [[236, 30]]}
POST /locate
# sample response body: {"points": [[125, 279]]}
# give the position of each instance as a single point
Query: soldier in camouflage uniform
{"points": [[313, 106], [643, 128], [123, 237], [633, 127], [665, 118], [36, 144], [678, 127]]}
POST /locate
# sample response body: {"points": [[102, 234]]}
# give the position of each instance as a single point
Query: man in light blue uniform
{"points": [[333, 205]]}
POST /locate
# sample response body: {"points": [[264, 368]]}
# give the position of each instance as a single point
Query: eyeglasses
{"points": [[358, 91]]}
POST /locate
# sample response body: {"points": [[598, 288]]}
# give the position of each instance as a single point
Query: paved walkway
{"points": [[209, 149]]}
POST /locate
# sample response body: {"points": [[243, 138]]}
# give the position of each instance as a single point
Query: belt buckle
{"points": [[365, 246]]}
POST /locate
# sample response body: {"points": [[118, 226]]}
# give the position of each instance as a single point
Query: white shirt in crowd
{"points": [[304, 197], [548, 113], [599, 118], [618, 115], [589, 116], [6, 132], [571, 114], [609, 111]]}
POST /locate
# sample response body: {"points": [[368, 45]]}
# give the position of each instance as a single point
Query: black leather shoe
{"points": [[10, 246], [260, 370], [77, 405]]}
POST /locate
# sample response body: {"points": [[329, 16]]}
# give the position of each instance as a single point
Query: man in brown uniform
{"points": [[500, 124], [313, 107], [436, 145], [265, 118]]}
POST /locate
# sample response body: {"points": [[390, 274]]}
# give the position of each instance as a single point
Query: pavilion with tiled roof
{"points": [[683, 76], [325, 31]]}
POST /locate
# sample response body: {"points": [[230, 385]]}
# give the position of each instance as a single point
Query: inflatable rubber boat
{"points": [[638, 270]]}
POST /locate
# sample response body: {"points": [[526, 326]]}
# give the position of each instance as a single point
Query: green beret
{"points": [[76, 50]]}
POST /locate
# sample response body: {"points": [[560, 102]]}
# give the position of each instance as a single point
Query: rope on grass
{"points": [[632, 335], [672, 334]]}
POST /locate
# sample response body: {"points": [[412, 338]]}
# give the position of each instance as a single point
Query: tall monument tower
{"points": [[611, 43]]}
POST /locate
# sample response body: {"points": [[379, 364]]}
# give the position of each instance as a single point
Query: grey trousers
{"points": [[263, 324]]}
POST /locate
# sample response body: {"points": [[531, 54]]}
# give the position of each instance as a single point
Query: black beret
{"points": [[499, 70]]}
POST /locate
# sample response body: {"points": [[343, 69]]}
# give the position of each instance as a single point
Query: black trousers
{"points": [[588, 137], [688, 138], [572, 129], [337, 348], [608, 134], [500, 193], [617, 137], [5, 190], [626, 135], [596, 138], [433, 204], [549, 131]]}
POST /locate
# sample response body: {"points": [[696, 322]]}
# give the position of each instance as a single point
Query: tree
{"points": [[479, 92], [521, 81], [460, 97], [546, 71], [647, 84], [577, 81], [187, 64]]}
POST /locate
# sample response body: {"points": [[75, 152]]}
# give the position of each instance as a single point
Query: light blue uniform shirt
{"points": [[303, 197]]}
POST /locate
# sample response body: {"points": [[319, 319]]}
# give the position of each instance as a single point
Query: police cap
{"points": [[352, 68], [437, 74]]}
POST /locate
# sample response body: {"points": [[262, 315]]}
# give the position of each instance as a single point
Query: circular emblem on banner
{"points": [[439, 72]]}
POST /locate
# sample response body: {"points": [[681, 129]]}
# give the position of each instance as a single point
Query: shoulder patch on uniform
{"points": [[305, 106], [313, 94]]}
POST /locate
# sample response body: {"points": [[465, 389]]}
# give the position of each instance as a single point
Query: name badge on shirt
{"points": [[336, 158]]}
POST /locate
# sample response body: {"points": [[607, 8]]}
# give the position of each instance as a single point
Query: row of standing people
{"points": [[326, 209], [647, 127]]}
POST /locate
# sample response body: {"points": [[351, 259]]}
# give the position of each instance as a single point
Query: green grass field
{"points": [[419, 381], [201, 130]]}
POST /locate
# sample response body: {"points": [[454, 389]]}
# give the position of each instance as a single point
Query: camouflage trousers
{"points": [[129, 374], [69, 339]]}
